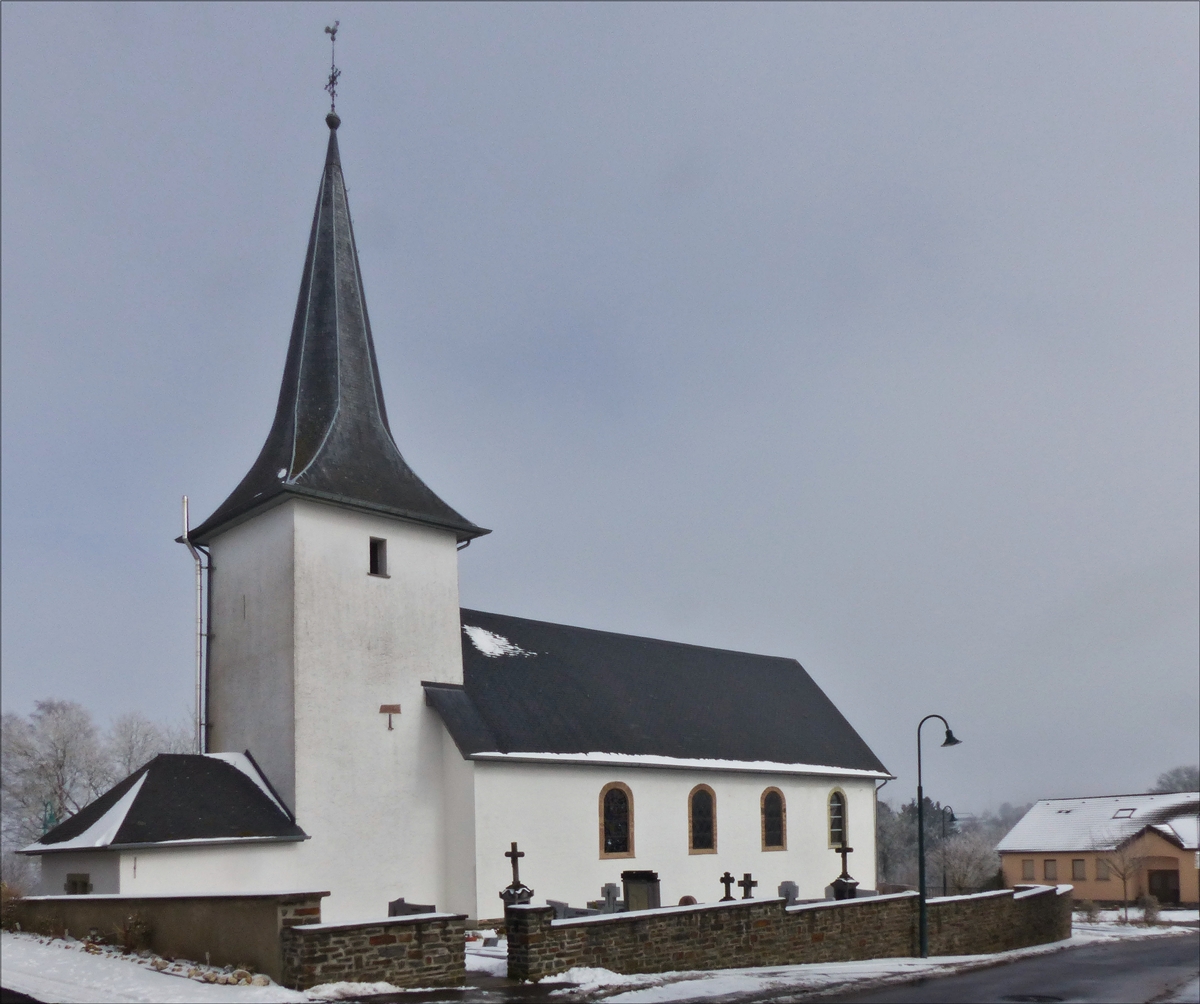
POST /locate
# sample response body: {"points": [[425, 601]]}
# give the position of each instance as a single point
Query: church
{"points": [[364, 734]]}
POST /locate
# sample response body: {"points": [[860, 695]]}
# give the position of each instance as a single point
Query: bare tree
{"points": [[970, 862], [134, 740], [1186, 778], [1125, 863]]}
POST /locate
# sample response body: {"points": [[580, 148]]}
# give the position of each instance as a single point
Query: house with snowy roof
{"points": [[404, 743], [1150, 841]]}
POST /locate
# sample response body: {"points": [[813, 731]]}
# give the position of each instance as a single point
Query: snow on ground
{"points": [[1135, 916], [64, 972]]}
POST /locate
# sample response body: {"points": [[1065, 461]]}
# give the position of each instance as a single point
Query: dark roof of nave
{"points": [[552, 688], [331, 440]]}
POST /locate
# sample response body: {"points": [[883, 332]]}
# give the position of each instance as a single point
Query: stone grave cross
{"points": [[727, 880], [746, 885], [518, 892], [844, 887]]}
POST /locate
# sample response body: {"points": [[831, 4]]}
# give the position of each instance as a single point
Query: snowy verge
{"points": [[815, 978], [66, 971]]}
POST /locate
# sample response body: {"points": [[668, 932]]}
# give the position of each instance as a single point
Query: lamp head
{"points": [[950, 740]]}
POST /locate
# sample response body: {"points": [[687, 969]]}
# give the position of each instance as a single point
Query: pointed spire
{"points": [[331, 439]]}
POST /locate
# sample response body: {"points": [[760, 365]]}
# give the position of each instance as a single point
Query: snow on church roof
{"points": [[178, 799], [1103, 822], [551, 692]]}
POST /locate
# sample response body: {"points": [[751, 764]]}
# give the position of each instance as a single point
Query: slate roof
{"points": [[533, 687], [178, 797], [330, 439], [1102, 822]]}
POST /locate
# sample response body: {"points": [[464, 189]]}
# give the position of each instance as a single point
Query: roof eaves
{"points": [[207, 530]]}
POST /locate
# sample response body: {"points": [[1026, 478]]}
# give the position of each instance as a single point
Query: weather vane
{"points": [[334, 72]]}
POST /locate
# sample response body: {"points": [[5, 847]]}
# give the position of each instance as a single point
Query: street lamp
{"points": [[949, 741], [953, 820]]}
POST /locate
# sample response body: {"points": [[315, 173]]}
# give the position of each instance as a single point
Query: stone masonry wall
{"points": [[767, 932], [420, 950]]}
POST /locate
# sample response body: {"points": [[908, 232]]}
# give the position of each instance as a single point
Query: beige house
{"points": [[1110, 847]]}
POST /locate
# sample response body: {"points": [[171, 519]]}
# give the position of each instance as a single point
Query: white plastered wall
{"points": [[552, 811], [250, 670], [218, 868], [101, 867]]}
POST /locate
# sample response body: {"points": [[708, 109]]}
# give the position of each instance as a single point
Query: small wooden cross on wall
{"points": [[515, 854], [727, 880], [746, 885]]}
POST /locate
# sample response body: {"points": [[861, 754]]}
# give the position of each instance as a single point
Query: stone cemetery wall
{"points": [[769, 933], [418, 950], [237, 930]]}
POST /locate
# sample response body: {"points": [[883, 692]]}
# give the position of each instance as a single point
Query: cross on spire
{"points": [[727, 880], [746, 885], [334, 72]]}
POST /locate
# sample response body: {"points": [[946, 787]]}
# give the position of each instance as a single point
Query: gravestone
{"points": [[747, 885], [789, 891], [611, 901], [398, 908], [641, 890], [727, 881], [843, 887]]}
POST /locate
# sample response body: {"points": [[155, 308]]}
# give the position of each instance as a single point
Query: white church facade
{"points": [[367, 736]]}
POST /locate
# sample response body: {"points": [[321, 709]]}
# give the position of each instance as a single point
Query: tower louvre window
{"points": [[379, 557]]}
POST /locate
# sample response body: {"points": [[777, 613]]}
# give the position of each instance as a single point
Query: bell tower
{"points": [[334, 592]]}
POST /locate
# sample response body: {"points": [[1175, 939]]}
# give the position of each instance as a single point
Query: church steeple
{"points": [[330, 439]]}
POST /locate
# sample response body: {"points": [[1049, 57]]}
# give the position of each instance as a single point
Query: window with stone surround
{"points": [[616, 821], [839, 830], [702, 820], [1078, 869], [1028, 870], [1103, 872], [1050, 870], [774, 820]]}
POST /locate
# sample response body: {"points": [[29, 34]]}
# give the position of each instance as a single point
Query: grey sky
{"points": [[861, 334]]}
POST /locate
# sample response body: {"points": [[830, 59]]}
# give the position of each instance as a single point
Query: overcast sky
{"points": [[864, 334]]}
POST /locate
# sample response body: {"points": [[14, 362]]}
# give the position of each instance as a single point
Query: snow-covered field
{"points": [[58, 970]]}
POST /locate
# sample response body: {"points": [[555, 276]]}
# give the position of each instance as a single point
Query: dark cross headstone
{"points": [[747, 884], [517, 892], [727, 880], [789, 891], [844, 887]]}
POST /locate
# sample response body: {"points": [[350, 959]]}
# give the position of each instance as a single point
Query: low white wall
{"points": [[552, 811], [102, 868], [218, 868]]}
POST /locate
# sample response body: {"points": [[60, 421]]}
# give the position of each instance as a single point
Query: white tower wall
{"points": [[372, 800]]}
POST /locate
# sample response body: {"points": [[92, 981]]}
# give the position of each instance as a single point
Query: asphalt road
{"points": [[1123, 973]]}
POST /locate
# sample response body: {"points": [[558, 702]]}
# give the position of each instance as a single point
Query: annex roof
{"points": [[178, 798], [1103, 822], [330, 440], [546, 692]]}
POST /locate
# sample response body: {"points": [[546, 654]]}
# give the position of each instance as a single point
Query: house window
{"points": [[838, 834], [1027, 870], [1078, 870], [379, 557], [774, 821], [78, 884], [1102, 870], [1050, 870], [702, 820], [616, 821]]}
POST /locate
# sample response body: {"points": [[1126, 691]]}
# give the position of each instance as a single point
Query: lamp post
{"points": [[949, 741], [953, 820]]}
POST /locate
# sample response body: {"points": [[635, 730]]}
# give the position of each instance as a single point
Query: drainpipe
{"points": [[198, 557]]}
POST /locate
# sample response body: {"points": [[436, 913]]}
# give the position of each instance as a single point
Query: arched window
{"points": [[838, 835], [702, 820], [774, 820], [616, 821]]}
